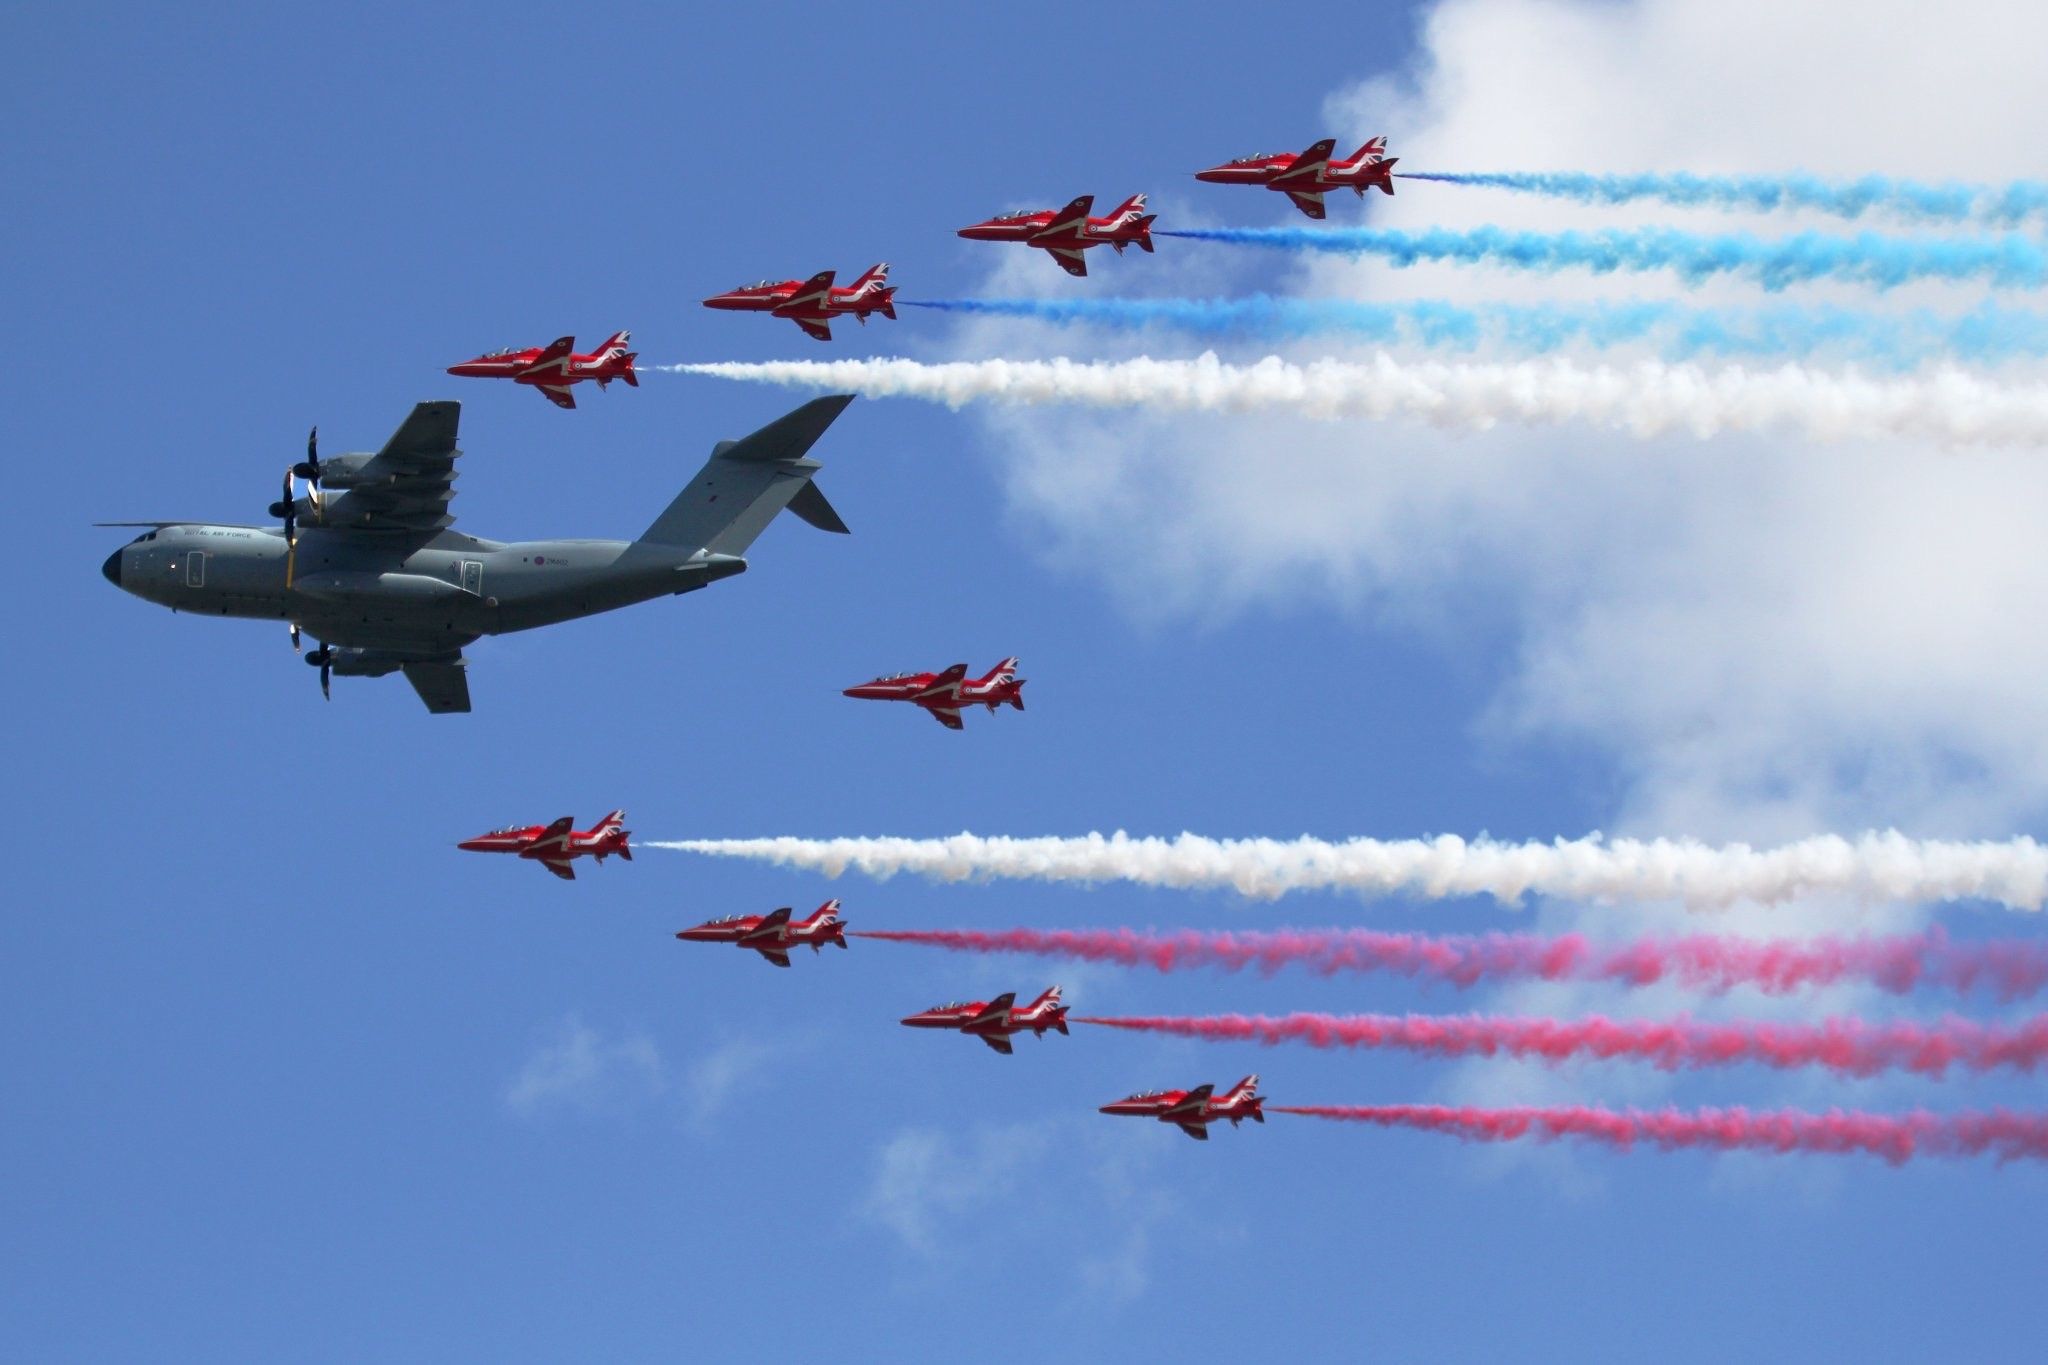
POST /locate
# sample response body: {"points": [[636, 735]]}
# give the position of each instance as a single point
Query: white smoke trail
{"points": [[1873, 867], [1645, 399]]}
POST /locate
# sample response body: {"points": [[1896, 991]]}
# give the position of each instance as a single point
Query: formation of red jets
{"points": [[1063, 234], [1066, 235]]}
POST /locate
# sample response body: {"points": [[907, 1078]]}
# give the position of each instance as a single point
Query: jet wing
{"points": [[774, 955], [948, 716], [1309, 202], [407, 485], [944, 684], [995, 1010], [555, 837], [559, 868], [998, 1042], [815, 327], [1074, 215], [558, 395], [1193, 1102], [1309, 164], [1071, 261], [768, 927], [555, 357], [1197, 1131], [444, 687]]}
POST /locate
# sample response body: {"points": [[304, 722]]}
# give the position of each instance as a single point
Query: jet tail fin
{"points": [[746, 482]]}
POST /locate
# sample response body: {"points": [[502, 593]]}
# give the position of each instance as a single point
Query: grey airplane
{"points": [[366, 562]]}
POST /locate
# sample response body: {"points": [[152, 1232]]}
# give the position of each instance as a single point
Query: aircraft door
{"points": [[473, 577], [195, 568]]}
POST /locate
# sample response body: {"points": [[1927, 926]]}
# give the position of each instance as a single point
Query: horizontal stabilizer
{"points": [[746, 482], [810, 504]]}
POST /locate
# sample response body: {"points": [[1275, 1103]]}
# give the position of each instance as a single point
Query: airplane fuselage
{"points": [[428, 592]]}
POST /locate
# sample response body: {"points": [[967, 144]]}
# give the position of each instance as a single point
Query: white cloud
{"points": [[934, 1188], [579, 1069], [1766, 637]]}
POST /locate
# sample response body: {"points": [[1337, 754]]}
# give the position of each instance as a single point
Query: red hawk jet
{"points": [[772, 935], [1303, 178], [943, 694], [552, 369], [1067, 232], [812, 304], [1194, 1110], [993, 1021], [553, 846]]}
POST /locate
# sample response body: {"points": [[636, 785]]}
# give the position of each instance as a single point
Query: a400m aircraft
{"points": [[375, 574]]}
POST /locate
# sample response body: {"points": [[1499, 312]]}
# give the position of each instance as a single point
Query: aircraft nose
{"points": [[112, 568]]}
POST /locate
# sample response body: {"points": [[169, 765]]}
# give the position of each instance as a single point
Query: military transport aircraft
{"points": [[993, 1021], [1065, 233], [812, 304], [1194, 1110], [553, 368], [553, 846], [1304, 177], [943, 694], [367, 564], [772, 935]]}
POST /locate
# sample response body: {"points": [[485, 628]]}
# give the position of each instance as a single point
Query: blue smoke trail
{"points": [[2006, 259], [2007, 205], [1985, 334]]}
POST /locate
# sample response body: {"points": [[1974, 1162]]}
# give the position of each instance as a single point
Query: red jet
{"points": [[554, 368], [943, 694], [993, 1021], [772, 935], [552, 846], [1194, 1110], [1068, 232], [813, 303], [1304, 178]]}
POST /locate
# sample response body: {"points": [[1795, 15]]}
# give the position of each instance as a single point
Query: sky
{"points": [[287, 1075]]}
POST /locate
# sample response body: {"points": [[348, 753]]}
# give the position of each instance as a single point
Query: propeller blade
{"points": [[295, 625], [309, 470]]}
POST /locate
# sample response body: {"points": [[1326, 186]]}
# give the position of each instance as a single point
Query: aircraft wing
{"points": [[818, 328], [998, 1042], [944, 684], [555, 836], [948, 716], [559, 868], [1309, 164], [555, 357], [1309, 202], [559, 395], [768, 927], [443, 686], [996, 1009], [407, 485], [774, 955], [1192, 1102], [1071, 261], [1072, 216], [1197, 1131]]}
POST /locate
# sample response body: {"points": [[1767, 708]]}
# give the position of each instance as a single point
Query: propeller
{"points": [[287, 507], [323, 659]]}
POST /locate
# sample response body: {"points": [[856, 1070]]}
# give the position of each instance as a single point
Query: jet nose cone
{"points": [[112, 568]]}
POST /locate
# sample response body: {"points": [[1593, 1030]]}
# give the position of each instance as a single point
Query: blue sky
{"points": [[289, 1076]]}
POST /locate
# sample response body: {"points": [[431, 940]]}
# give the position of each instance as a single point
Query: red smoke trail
{"points": [[1848, 1046], [1895, 1137], [2010, 969]]}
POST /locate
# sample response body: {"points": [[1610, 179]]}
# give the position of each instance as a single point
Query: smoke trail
{"points": [[2010, 260], [2008, 205], [1895, 1137], [1871, 868], [2009, 969], [1849, 1047], [1645, 399], [1987, 333]]}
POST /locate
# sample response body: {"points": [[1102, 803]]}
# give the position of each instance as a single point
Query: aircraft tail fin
{"points": [[746, 482], [875, 278]]}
